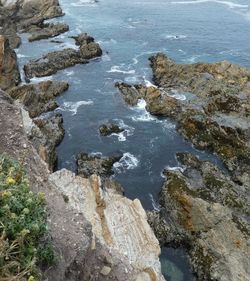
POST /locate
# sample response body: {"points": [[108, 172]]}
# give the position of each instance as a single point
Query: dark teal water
{"points": [[129, 32]]}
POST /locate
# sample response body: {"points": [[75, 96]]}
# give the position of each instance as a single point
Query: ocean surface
{"points": [[129, 32]]}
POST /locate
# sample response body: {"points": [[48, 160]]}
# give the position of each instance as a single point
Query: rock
{"points": [[9, 73], [45, 136], [27, 12], [9, 29], [83, 39], [88, 164], [38, 98], [204, 211], [109, 129], [58, 60], [46, 31], [158, 102], [118, 223]]}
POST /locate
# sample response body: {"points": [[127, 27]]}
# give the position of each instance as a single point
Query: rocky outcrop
{"points": [[9, 73], [88, 164], [46, 134], [45, 31], [26, 12], [205, 211], [109, 129], [54, 61], [97, 233], [214, 112], [118, 223], [38, 98]]}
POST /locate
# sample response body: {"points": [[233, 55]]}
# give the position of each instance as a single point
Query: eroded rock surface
{"points": [[109, 129], [205, 211], [118, 223], [38, 98], [9, 72]]}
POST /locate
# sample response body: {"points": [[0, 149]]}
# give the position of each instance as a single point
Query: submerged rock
{"points": [[58, 60], [88, 164], [109, 129], [38, 98], [45, 135], [9, 72], [46, 31]]}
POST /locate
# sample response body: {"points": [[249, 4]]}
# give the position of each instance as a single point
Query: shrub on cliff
{"points": [[24, 239]]}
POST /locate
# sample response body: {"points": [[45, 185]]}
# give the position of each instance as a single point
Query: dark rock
{"points": [[38, 98], [52, 62], [45, 136], [108, 129], [88, 164], [9, 72], [83, 39], [47, 31]]}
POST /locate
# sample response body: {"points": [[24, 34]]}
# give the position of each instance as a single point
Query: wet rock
{"points": [[88, 164], [58, 60], [46, 31], [158, 102], [198, 209], [83, 39], [38, 98], [45, 136], [9, 73], [109, 129]]}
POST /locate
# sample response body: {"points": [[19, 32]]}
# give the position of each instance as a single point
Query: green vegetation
{"points": [[24, 242]]}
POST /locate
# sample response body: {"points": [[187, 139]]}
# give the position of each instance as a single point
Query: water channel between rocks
{"points": [[129, 32]]}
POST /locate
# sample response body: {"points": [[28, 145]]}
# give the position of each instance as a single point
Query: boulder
{"points": [[46, 31], [109, 129], [88, 164], [38, 98], [9, 72]]}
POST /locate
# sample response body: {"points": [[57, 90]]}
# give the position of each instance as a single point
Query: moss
{"points": [[23, 226]]}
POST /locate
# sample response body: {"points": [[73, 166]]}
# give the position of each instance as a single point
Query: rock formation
{"points": [[54, 61], [38, 98], [9, 73], [109, 129]]}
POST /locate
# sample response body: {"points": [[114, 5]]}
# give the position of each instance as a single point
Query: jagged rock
{"points": [[46, 31], [108, 129], [9, 29], [27, 12], [88, 164], [9, 73], [83, 39], [38, 98], [158, 102], [202, 209], [54, 61], [118, 223], [45, 136]]}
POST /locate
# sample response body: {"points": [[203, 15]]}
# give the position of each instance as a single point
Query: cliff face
{"points": [[98, 234]]}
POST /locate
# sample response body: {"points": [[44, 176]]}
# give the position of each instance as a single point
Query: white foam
{"points": [[148, 83], [40, 79], [175, 36], [73, 106], [144, 115], [81, 3], [127, 162], [69, 72], [155, 205], [229, 4], [173, 169], [120, 69], [128, 131]]}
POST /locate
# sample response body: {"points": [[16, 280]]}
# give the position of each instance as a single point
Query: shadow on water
{"points": [[175, 265]]}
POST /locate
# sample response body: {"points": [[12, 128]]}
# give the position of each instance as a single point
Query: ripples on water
{"points": [[129, 32]]}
